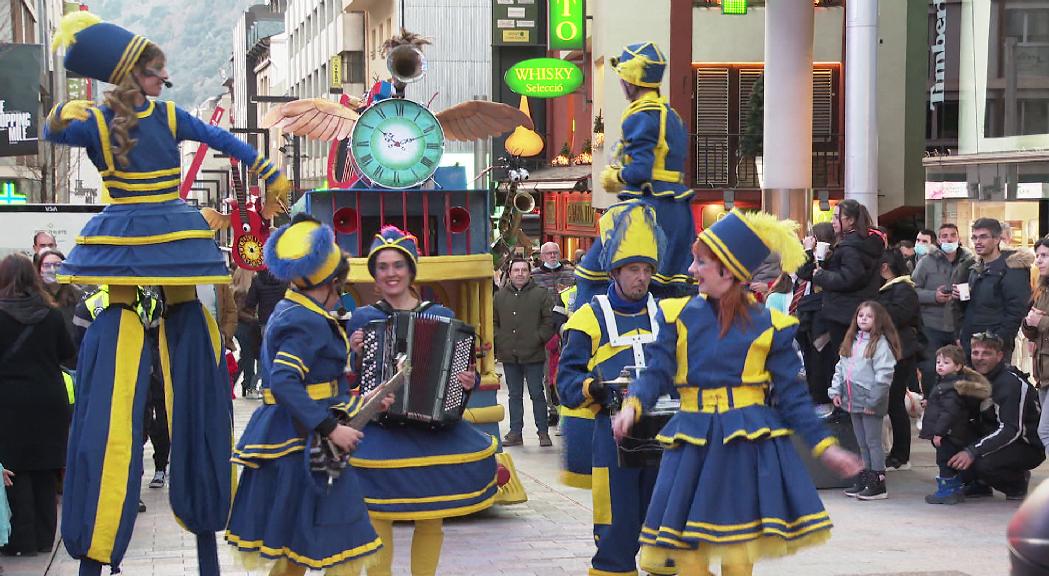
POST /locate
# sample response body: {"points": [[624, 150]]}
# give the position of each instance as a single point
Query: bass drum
{"points": [[640, 448]]}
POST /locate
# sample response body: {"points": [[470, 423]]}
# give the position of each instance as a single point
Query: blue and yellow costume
{"points": [[145, 236], [282, 510], [601, 339], [731, 486], [649, 165], [417, 474]]}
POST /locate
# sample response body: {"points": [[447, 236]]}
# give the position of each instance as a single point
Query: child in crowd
{"points": [[861, 386], [953, 405]]}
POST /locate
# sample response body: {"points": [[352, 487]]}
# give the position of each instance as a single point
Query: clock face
{"points": [[397, 143]]}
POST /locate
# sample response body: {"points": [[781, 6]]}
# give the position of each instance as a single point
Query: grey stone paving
{"points": [[550, 534]]}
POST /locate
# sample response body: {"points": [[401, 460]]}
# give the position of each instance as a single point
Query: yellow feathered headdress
{"points": [[742, 241]]}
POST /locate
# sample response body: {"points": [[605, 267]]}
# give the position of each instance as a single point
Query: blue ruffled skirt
{"points": [[730, 487], [163, 243], [416, 474], [284, 512]]}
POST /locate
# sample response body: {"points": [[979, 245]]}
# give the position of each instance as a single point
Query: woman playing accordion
{"points": [[412, 472]]}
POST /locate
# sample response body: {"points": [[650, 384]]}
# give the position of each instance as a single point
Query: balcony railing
{"points": [[719, 164]]}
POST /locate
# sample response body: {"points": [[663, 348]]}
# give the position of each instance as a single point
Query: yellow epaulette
{"points": [[672, 307], [781, 320]]}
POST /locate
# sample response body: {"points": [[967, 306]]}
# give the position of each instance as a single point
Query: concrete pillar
{"points": [[861, 103], [788, 109]]}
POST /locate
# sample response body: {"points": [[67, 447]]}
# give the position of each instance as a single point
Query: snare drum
{"points": [[641, 448]]}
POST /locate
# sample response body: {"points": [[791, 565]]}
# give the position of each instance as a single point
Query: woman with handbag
{"points": [[34, 406]]}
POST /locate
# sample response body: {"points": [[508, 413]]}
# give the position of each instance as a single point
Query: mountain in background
{"points": [[196, 36]]}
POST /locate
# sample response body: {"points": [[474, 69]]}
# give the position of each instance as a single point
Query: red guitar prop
{"points": [[250, 231]]}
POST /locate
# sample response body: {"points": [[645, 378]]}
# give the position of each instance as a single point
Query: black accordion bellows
{"points": [[439, 349]]}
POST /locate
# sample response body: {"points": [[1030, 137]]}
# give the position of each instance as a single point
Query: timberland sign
{"points": [[544, 77]]}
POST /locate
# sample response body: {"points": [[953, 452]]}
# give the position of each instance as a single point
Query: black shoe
{"points": [[858, 484], [894, 463], [1019, 493], [141, 506], [875, 489], [977, 489]]}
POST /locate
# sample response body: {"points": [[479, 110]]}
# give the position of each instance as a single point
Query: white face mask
{"points": [[48, 277], [552, 265], [949, 247]]}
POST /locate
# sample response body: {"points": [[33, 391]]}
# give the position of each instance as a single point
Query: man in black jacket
{"points": [[1009, 448], [263, 295], [999, 288]]}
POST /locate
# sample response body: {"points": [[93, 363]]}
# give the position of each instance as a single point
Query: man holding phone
{"points": [[932, 280]]}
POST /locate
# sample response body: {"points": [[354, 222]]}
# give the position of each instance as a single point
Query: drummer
{"points": [[601, 338]]}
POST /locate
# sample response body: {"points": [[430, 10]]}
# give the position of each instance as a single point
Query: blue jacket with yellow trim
{"points": [[653, 150], [304, 349], [587, 354], [690, 353], [153, 172]]}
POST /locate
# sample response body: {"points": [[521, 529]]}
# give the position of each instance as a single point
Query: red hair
{"points": [[734, 305]]}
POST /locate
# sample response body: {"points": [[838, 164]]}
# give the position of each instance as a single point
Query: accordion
{"points": [[438, 350]]}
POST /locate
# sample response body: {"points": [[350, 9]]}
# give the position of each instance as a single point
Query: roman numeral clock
{"points": [[397, 143]]}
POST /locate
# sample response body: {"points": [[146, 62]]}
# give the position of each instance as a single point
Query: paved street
{"points": [[550, 534]]}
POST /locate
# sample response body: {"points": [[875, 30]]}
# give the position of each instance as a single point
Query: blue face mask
{"points": [[921, 249], [949, 247]]}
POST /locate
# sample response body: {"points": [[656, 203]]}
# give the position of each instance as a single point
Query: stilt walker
{"points": [[146, 236], [648, 164]]}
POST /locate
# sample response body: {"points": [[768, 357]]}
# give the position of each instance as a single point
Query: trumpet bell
{"points": [[523, 202], [406, 63]]}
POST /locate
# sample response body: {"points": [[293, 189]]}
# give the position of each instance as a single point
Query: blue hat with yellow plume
{"points": [[397, 239], [641, 64], [629, 233], [742, 241], [303, 252], [98, 49]]}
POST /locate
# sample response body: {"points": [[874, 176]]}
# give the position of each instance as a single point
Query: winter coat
{"points": [[1040, 336], [1000, 293], [554, 280], [1012, 417], [954, 406], [849, 276], [523, 322], [933, 271], [266, 290], [863, 383], [901, 301], [34, 406]]}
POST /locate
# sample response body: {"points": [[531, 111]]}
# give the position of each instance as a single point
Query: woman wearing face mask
{"points": [[66, 296], [283, 511], [410, 473]]}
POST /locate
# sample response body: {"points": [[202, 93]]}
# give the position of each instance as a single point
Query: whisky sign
{"points": [[544, 77]]}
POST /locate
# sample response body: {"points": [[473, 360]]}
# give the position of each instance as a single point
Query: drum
{"points": [[641, 448]]}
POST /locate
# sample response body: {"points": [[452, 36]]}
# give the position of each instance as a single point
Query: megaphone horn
{"points": [[406, 63], [523, 202], [344, 221], [458, 219]]}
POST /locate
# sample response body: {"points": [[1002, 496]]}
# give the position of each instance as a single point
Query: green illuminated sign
{"points": [[733, 6], [567, 25], [544, 77], [9, 194]]}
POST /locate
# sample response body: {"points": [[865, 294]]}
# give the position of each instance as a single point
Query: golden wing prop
{"points": [[480, 119], [316, 118]]}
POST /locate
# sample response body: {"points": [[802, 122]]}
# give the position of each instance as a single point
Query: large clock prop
{"points": [[397, 143]]}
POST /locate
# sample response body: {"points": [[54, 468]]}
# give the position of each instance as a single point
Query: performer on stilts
{"points": [[414, 473], [731, 488], [648, 163], [146, 236], [283, 511], [601, 339]]}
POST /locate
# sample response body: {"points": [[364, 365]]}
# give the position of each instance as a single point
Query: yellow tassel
{"points": [[70, 25], [633, 70], [781, 236]]}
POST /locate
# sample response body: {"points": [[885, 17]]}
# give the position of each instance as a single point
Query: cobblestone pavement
{"points": [[550, 534]]}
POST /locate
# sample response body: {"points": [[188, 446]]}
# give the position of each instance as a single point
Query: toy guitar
{"points": [[250, 231]]}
